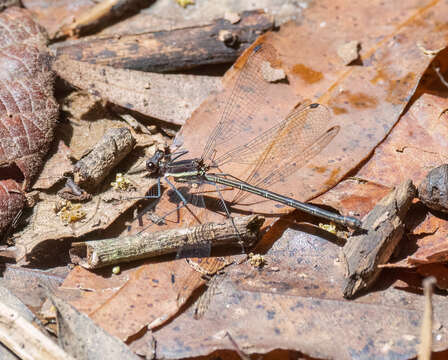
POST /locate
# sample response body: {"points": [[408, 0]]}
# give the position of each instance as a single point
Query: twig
{"points": [[424, 352], [440, 75], [97, 15], [91, 170], [384, 224], [216, 43], [96, 254]]}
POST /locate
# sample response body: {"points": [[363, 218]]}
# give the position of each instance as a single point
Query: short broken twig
{"points": [[424, 352], [91, 170], [384, 224], [96, 254]]}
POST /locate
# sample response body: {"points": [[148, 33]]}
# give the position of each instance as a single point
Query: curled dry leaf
{"points": [[28, 111]]}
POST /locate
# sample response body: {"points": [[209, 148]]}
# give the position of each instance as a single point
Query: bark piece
{"points": [[349, 52], [91, 170], [384, 224], [100, 15], [433, 190], [12, 201], [144, 245], [171, 50], [24, 339], [4, 4]]}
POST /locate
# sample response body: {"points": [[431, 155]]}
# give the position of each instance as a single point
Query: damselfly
{"points": [[274, 154]]}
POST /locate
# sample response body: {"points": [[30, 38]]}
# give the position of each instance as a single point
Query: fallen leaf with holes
{"points": [[295, 302], [415, 146], [28, 111], [365, 101]]}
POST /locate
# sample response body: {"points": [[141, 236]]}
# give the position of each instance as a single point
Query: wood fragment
{"points": [[91, 170], [384, 228], [433, 190], [96, 254], [4, 4], [24, 339], [349, 52], [99, 15], [154, 51], [424, 352]]}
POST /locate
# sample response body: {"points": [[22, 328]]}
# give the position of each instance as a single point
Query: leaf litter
{"points": [[249, 296]]}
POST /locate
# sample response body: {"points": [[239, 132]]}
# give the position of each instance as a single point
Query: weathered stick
{"points": [[91, 170], [98, 15], [217, 43], [96, 254], [24, 339], [384, 224], [433, 190]]}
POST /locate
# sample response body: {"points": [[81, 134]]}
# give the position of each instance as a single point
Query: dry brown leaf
{"points": [[295, 302], [28, 110], [414, 147], [83, 339], [168, 97], [152, 292]]}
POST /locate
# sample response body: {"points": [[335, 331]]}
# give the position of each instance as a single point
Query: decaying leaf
{"points": [[12, 201], [295, 302], [77, 333], [29, 109], [151, 304], [168, 97], [28, 112]]}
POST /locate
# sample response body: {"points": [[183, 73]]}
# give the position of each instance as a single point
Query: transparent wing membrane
{"points": [[244, 100]]}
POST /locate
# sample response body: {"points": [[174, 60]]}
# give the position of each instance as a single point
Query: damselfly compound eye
{"points": [[150, 166]]}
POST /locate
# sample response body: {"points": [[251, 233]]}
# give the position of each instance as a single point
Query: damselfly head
{"points": [[153, 164]]}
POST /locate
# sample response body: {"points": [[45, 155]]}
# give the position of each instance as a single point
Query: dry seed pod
{"points": [[433, 190], [91, 170]]}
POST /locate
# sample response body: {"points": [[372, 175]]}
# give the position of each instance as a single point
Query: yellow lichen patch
{"points": [[121, 183], [256, 260], [185, 3], [70, 213], [331, 227]]}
